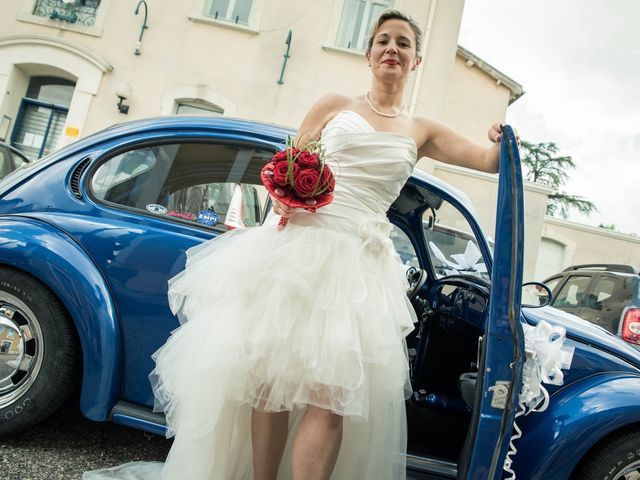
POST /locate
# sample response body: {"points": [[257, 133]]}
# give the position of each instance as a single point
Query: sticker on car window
{"points": [[155, 208], [183, 215], [207, 217]]}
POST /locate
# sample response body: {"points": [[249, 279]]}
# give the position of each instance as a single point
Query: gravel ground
{"points": [[67, 444]]}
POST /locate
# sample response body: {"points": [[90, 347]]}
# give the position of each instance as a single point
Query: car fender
{"points": [[579, 416], [63, 266]]}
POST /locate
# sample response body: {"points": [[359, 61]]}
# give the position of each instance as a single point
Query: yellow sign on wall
{"points": [[72, 132]]}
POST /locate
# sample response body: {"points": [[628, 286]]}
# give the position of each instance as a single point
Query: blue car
{"points": [[90, 235]]}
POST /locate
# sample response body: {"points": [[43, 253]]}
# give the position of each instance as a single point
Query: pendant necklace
{"points": [[382, 114]]}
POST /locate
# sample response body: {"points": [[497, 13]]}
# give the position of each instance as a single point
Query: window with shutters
{"points": [[42, 114]]}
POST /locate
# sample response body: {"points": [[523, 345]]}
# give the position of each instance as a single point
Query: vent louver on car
{"points": [[75, 177]]}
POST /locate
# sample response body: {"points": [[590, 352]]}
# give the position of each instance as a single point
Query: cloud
{"points": [[579, 62]]}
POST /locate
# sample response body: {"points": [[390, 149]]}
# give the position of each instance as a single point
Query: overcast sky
{"points": [[579, 64]]}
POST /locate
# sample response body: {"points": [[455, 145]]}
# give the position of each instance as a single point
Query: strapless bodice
{"points": [[370, 168]]}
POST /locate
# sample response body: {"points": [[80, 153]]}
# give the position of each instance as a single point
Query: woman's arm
{"points": [[446, 145]]}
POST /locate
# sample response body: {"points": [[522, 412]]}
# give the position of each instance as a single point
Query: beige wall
{"points": [[474, 101], [186, 55], [582, 244]]}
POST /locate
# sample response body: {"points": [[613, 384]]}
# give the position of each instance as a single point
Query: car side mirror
{"points": [[536, 295]]}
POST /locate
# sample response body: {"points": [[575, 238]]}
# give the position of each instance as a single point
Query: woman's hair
{"points": [[391, 15]]}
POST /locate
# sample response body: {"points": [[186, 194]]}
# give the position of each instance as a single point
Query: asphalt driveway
{"points": [[67, 444]]}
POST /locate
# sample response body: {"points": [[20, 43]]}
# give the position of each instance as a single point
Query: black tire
{"points": [[617, 458], [39, 360]]}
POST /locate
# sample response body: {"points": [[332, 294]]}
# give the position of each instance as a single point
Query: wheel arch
{"points": [[578, 419], [62, 266]]}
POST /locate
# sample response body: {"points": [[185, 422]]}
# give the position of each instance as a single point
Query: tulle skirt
{"points": [[278, 320]]}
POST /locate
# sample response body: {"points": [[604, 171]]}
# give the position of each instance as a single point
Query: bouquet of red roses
{"points": [[302, 175]]}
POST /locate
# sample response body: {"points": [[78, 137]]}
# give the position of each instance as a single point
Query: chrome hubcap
{"points": [[630, 472], [20, 348]]}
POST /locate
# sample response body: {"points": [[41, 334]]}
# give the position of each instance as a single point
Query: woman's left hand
{"points": [[495, 135]]}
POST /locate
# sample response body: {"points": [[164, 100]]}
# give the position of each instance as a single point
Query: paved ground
{"points": [[67, 444]]}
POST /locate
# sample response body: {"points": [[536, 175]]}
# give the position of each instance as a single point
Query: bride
{"points": [[291, 362]]}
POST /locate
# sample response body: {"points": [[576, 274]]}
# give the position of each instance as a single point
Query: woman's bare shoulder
{"points": [[321, 113]]}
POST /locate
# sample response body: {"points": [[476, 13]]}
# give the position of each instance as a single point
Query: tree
{"points": [[543, 166]]}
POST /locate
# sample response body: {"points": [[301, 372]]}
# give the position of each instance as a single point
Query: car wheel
{"points": [[38, 352], [617, 459]]}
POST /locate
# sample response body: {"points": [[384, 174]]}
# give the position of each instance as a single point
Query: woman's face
{"points": [[393, 52]]}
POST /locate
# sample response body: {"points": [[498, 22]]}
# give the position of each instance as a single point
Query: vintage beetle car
{"points": [[90, 235]]}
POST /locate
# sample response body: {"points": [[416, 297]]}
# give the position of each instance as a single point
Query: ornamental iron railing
{"points": [[82, 12]]}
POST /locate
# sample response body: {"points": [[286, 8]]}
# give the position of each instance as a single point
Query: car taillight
{"points": [[631, 326]]}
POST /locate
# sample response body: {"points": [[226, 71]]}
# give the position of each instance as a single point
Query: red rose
{"points": [[308, 160], [280, 173], [328, 181], [280, 157], [306, 183]]}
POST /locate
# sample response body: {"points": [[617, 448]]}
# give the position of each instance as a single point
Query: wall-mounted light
{"points": [[144, 26], [123, 91]]}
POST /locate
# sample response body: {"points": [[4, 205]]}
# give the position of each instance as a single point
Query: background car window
{"points": [[572, 292], [603, 289], [451, 243], [404, 247], [213, 185], [553, 283]]}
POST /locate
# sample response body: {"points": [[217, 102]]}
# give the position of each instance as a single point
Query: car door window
{"points": [[404, 247], [211, 185], [602, 293], [452, 246], [572, 292]]}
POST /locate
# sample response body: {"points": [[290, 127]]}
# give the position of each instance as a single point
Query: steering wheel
{"points": [[470, 282], [416, 278]]}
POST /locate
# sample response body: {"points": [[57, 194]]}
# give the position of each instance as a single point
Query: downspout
{"points": [[425, 45]]}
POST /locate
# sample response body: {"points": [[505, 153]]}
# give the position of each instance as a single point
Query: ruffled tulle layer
{"points": [[278, 320]]}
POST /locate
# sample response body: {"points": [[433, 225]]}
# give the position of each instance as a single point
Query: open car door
{"points": [[501, 351]]}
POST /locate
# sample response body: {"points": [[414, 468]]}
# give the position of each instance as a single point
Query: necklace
{"points": [[382, 114]]}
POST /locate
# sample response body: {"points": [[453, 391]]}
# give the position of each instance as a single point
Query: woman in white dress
{"points": [[291, 362]]}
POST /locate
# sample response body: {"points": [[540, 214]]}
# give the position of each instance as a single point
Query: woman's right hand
{"points": [[279, 207]]}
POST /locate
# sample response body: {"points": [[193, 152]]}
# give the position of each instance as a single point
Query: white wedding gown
{"points": [[314, 314]]}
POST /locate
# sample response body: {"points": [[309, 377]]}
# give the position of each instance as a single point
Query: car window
{"points": [[404, 247], [553, 283], [603, 290], [572, 292], [5, 162], [451, 244], [211, 185], [18, 161]]}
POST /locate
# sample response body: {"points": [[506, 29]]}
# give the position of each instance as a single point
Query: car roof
{"points": [[267, 131]]}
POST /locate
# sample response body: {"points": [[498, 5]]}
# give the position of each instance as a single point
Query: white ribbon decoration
{"points": [[469, 261], [545, 357]]}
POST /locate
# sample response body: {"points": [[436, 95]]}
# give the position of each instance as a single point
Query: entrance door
{"points": [[501, 350]]}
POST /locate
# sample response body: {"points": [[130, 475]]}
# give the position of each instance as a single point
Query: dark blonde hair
{"points": [[395, 15]]}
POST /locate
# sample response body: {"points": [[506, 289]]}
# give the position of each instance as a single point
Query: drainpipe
{"points": [[425, 46]]}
